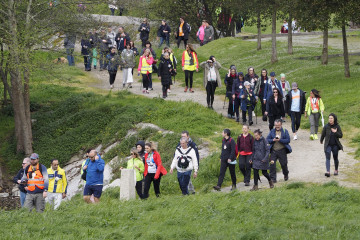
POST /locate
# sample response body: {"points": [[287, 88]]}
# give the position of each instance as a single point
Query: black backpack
{"points": [[184, 160]]}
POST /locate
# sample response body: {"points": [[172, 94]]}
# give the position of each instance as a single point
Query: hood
{"points": [[142, 144]]}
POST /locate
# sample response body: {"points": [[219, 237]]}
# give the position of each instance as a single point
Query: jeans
{"points": [[148, 179], [295, 121], [281, 155], [224, 165], [210, 92], [22, 198], [245, 166], [184, 179], [335, 151], [103, 60], [189, 75], [314, 122], [70, 57], [164, 39]]}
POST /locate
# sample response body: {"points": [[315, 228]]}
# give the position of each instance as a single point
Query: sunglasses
{"points": [[276, 92]]}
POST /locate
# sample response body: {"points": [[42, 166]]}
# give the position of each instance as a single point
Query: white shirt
{"points": [[212, 74]]}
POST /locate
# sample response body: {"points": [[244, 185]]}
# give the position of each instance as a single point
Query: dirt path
{"points": [[307, 161]]}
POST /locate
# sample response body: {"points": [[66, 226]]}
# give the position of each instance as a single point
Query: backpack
{"points": [[83, 175], [184, 160], [189, 27]]}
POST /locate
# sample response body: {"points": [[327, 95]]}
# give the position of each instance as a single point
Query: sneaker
{"points": [[237, 120], [286, 177], [233, 188], [295, 137], [327, 174], [217, 188], [255, 188], [229, 116], [192, 91], [111, 86], [253, 114], [185, 90], [147, 92], [144, 90], [316, 137], [311, 136], [251, 123], [169, 91]]}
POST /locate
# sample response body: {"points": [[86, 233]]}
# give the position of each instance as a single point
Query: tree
{"points": [[273, 9], [24, 25]]}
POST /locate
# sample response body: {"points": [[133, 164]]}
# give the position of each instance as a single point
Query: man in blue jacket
{"points": [[279, 140], [94, 177]]}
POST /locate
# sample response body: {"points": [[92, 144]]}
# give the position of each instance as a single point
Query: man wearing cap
{"points": [[37, 181], [270, 85], [17, 180], [57, 184], [295, 106]]}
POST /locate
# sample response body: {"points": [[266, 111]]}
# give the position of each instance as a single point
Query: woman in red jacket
{"points": [[153, 170], [244, 146]]}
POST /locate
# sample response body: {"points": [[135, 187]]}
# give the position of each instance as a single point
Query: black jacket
{"points": [[104, 46], [121, 41], [289, 101], [162, 28], [236, 89], [229, 84], [85, 47], [185, 29], [144, 34], [18, 176], [326, 134], [165, 70], [228, 149], [275, 109]]}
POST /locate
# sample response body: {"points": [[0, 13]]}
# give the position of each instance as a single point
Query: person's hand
{"points": [[250, 95], [272, 162], [183, 68], [85, 167], [104, 40], [250, 162], [195, 174], [265, 113], [229, 160], [171, 171], [18, 181], [214, 59], [233, 96], [197, 70], [334, 130], [63, 195], [138, 72], [26, 188], [44, 194], [264, 101], [112, 59], [160, 77], [175, 69], [276, 139], [96, 157]]}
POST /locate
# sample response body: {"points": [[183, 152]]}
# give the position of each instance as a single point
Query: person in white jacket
{"points": [[185, 162]]}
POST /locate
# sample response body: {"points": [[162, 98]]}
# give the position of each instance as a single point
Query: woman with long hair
{"points": [[237, 86], [190, 63], [145, 68], [274, 107], [127, 63], [314, 108], [259, 91]]}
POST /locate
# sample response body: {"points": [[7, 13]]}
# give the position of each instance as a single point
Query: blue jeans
{"points": [[184, 179], [335, 150], [162, 40], [22, 198], [87, 62], [70, 57]]}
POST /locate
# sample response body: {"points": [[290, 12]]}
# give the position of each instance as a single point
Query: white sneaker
{"points": [[295, 137], [169, 91], [111, 86]]}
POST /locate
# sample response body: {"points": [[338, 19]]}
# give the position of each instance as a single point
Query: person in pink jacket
{"points": [[201, 33], [145, 68]]}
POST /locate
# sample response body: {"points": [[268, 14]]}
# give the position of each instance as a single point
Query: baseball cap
{"points": [[272, 74], [34, 156]]}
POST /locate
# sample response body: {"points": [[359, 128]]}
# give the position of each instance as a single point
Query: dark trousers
{"points": [[257, 176], [181, 39], [164, 39], [224, 165], [245, 167], [103, 61], [210, 92], [237, 103], [156, 182], [295, 121], [281, 155], [184, 179], [143, 42], [87, 62], [249, 112], [231, 107], [263, 105], [146, 78], [164, 89], [112, 77], [272, 120], [189, 76], [138, 188], [335, 151]]}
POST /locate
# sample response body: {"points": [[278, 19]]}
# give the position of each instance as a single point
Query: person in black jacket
{"points": [[164, 33], [295, 106], [274, 107], [103, 42], [182, 33], [259, 91], [121, 39], [230, 77], [86, 48], [237, 86], [165, 72], [17, 180], [331, 133], [251, 77], [227, 159], [144, 30]]}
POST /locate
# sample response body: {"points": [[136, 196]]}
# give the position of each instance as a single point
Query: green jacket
{"points": [[138, 163], [308, 108]]}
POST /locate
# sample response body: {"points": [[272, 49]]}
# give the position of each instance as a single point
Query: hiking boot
{"points": [[233, 187], [312, 137], [229, 116], [247, 184], [94, 66], [274, 181], [286, 177], [123, 85], [217, 188], [185, 90], [251, 123], [327, 174], [271, 184], [255, 188], [295, 137], [316, 137], [336, 172]]}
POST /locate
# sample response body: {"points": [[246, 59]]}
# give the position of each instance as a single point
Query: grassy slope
{"points": [[312, 212]]}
